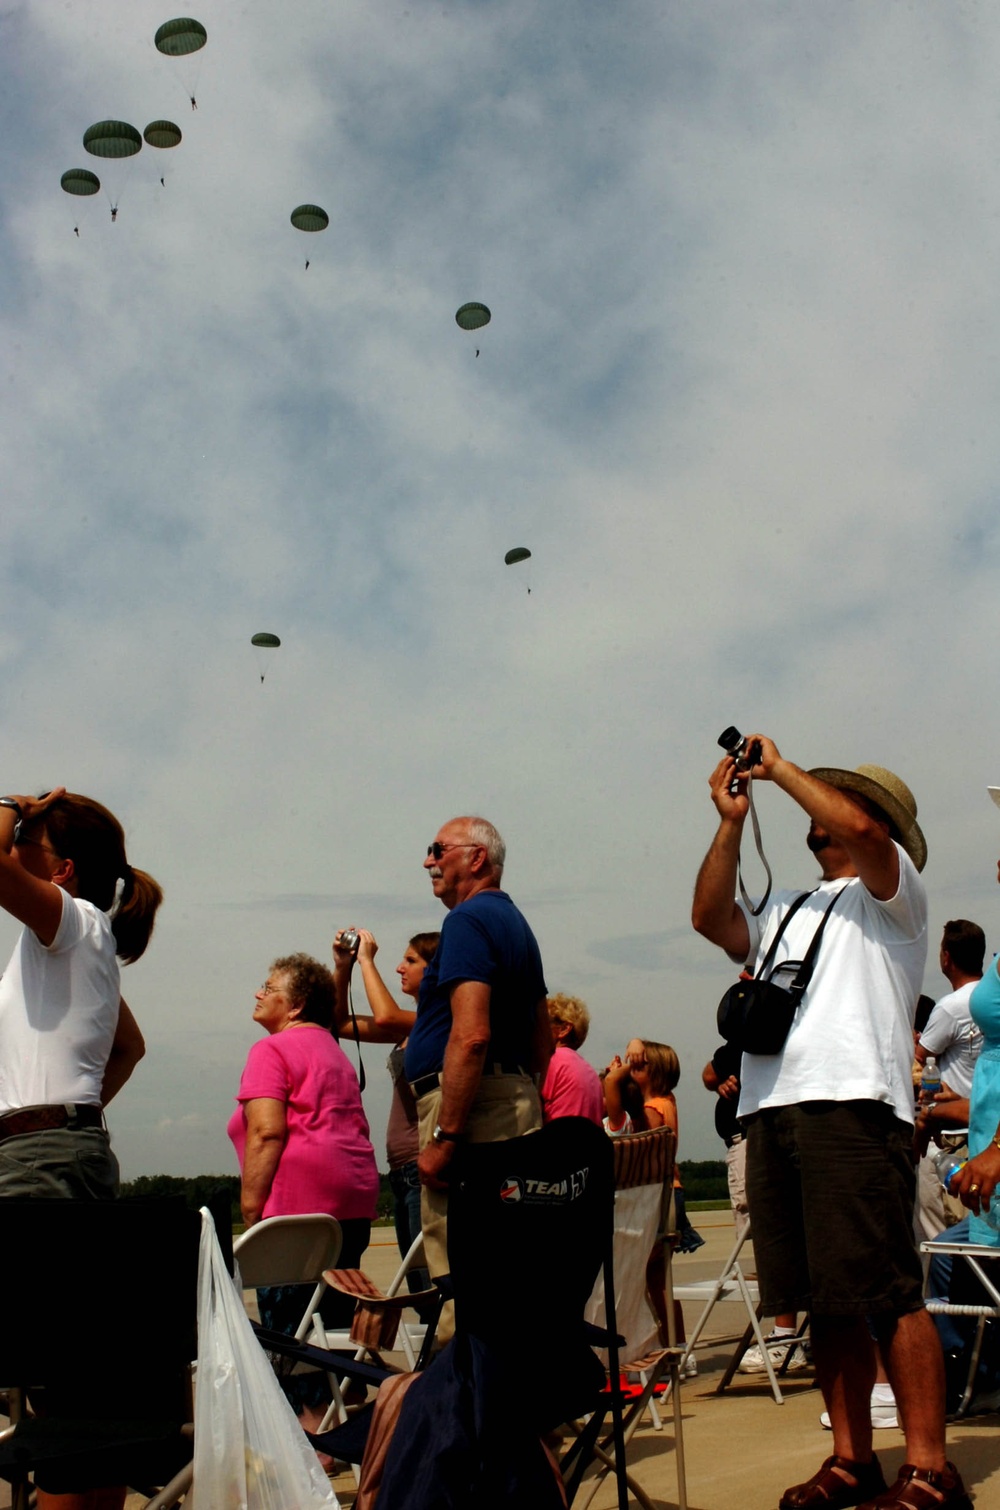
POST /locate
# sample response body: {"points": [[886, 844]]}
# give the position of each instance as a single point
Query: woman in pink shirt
{"points": [[300, 1131], [572, 1087]]}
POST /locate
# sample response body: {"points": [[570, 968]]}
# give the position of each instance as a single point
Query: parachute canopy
{"points": [[176, 38], [309, 217], [472, 316], [112, 139], [266, 641], [81, 181], [162, 134], [517, 553]]}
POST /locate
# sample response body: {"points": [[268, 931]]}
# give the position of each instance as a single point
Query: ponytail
{"points": [[132, 924]]}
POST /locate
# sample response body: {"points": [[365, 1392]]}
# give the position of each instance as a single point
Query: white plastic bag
{"points": [[250, 1452]]}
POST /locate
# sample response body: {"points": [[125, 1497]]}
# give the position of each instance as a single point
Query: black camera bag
{"points": [[756, 1014]]}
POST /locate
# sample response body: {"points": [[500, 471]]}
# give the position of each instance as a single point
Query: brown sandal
{"points": [[829, 1490], [909, 1491]]}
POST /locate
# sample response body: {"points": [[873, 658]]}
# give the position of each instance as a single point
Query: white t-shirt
{"points": [[59, 1012], [952, 1036], [852, 1035]]}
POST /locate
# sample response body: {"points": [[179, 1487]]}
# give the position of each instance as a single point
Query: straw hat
{"points": [[890, 794]]}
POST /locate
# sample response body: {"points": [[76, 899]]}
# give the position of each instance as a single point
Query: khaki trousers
{"points": [[506, 1106]]}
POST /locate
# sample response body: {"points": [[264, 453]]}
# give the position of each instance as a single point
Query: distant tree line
{"points": [[703, 1180]]}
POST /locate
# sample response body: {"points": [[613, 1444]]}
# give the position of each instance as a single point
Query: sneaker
{"points": [[883, 1417], [690, 1369], [777, 1347]]}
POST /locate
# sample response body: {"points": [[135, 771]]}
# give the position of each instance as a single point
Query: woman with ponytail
{"points": [[68, 1042]]}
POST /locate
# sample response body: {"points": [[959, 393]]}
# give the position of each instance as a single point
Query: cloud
{"points": [[737, 396]]}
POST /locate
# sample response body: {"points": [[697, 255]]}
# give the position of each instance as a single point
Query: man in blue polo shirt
{"points": [[481, 1042]]}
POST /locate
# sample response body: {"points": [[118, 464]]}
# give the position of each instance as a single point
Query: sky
{"points": [[738, 397]]}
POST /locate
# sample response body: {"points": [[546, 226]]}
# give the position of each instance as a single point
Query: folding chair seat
{"points": [[112, 1370]]}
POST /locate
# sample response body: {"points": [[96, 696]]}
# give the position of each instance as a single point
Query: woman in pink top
{"points": [[572, 1087], [300, 1132]]}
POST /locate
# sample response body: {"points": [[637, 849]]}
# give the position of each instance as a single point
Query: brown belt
{"points": [[33, 1119]]}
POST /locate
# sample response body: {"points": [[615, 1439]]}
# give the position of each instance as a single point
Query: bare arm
{"points": [[866, 841], [388, 1023], [127, 1049], [267, 1130], [614, 1106], [714, 912], [35, 902]]}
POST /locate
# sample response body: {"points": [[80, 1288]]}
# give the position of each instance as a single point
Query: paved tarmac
{"points": [[742, 1448]]}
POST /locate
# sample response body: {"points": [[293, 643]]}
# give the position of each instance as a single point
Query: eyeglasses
{"points": [[437, 849], [268, 990], [20, 840]]}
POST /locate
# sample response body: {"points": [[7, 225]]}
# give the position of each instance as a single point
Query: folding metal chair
{"points": [[733, 1284], [975, 1256]]}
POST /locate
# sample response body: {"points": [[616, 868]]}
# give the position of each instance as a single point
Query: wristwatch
{"points": [[440, 1136]]}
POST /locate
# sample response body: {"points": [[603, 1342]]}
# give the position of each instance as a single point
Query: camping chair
{"points": [[733, 1284], [529, 1225], [644, 1171], [987, 1309], [378, 1324], [112, 1368]]}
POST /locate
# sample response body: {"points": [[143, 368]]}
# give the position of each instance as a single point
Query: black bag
{"points": [[756, 1014]]}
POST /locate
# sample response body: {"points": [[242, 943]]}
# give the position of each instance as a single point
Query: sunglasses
{"points": [[437, 849]]}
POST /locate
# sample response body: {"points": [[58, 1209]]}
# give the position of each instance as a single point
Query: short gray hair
{"points": [[481, 831]]}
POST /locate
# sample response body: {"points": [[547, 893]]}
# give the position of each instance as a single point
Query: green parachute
{"points": [[179, 37], [264, 641], [81, 181], [162, 134], [516, 554], [472, 316], [309, 217], [112, 139]]}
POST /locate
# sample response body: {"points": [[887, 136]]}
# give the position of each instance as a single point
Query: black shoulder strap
{"points": [[772, 947], [804, 976]]}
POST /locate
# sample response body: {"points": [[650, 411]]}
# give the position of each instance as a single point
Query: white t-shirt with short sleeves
{"points": [[59, 1012], [952, 1036], [852, 1035]]}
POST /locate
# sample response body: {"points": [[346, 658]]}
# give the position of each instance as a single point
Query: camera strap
{"points": [[804, 971], [754, 911]]}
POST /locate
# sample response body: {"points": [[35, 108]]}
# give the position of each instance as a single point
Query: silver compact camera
{"points": [[349, 940]]}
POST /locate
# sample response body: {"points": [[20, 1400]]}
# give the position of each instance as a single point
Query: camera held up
{"points": [[735, 744]]}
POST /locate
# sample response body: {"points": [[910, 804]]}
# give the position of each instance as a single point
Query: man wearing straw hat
{"points": [[829, 1174]]}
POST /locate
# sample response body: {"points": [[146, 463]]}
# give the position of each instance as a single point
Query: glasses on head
{"points": [[21, 838], [437, 849]]}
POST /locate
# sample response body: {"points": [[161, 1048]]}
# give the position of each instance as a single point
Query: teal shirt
{"points": [[984, 1104]]}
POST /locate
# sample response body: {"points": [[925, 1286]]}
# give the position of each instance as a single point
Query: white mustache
{"points": [[434, 872]]}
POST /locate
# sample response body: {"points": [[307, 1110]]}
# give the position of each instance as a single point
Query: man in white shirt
{"points": [[829, 1116], [951, 1035]]}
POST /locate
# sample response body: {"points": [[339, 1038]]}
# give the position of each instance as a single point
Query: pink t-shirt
{"points": [[572, 1088], [327, 1163]]}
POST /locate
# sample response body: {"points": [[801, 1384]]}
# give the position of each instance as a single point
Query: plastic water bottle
{"points": [[930, 1080]]}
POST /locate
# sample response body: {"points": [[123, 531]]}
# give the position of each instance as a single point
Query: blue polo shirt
{"points": [[483, 939]]}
